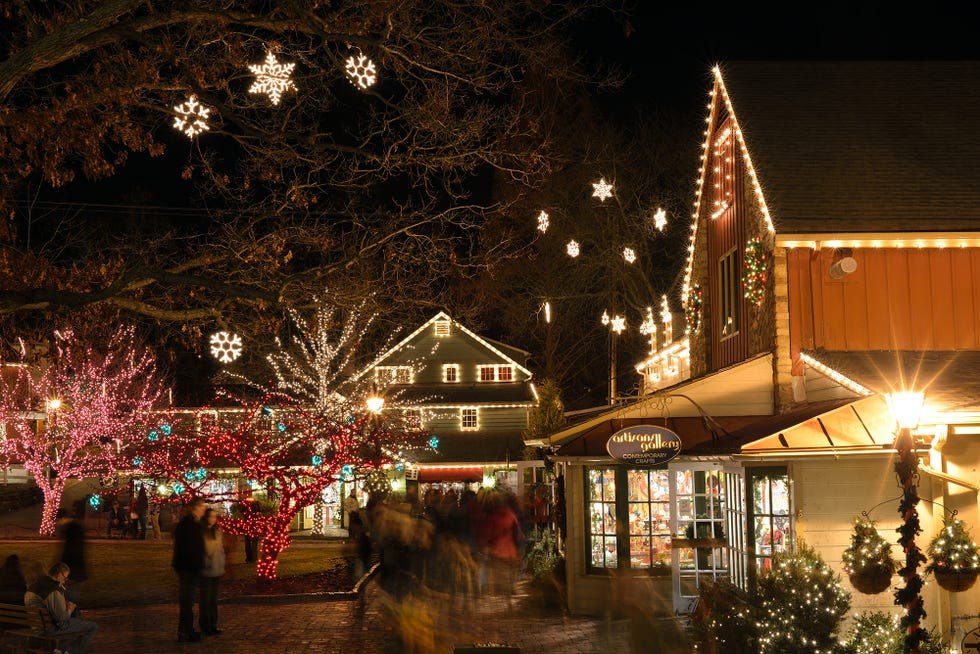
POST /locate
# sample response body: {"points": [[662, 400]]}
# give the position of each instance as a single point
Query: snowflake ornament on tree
{"points": [[602, 190], [543, 222], [572, 248], [660, 219], [361, 71], [272, 78], [629, 254], [191, 118], [226, 347]]}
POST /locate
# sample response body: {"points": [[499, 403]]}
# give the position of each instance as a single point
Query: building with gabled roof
{"points": [[834, 258], [472, 393]]}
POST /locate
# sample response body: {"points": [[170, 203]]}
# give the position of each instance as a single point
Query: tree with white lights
{"points": [[77, 412]]}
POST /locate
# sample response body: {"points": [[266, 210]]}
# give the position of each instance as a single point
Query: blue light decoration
{"points": [[434, 442], [178, 488], [400, 467], [347, 470], [153, 435], [137, 461], [281, 426], [266, 411], [317, 459], [351, 420], [166, 429], [95, 501], [190, 475]]}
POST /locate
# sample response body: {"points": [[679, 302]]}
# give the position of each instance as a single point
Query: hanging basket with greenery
{"points": [[868, 561], [954, 558]]}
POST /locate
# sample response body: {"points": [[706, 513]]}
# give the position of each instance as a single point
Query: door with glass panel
{"points": [[700, 551]]}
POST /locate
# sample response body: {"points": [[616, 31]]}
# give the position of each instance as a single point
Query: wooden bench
{"points": [[24, 628]]}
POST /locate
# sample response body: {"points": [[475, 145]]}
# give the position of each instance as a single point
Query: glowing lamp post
{"points": [[905, 408], [375, 403]]}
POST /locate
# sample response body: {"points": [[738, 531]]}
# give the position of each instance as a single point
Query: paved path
{"points": [[341, 626]]}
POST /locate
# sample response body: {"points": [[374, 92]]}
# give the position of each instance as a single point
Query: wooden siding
{"points": [[897, 299], [490, 420], [725, 232]]}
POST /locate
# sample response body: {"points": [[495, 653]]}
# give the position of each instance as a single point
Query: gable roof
{"points": [[442, 315], [861, 146]]}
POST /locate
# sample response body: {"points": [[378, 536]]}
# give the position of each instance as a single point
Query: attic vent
{"points": [[442, 327]]}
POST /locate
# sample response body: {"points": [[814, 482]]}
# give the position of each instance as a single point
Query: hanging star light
{"points": [[572, 248], [602, 189], [191, 118], [629, 255], [272, 78], [543, 222], [226, 347], [660, 219], [361, 71], [617, 323]]}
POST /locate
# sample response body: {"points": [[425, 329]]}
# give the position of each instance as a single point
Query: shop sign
{"points": [[644, 445]]}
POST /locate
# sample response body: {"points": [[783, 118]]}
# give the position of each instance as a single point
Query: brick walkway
{"points": [[352, 627]]}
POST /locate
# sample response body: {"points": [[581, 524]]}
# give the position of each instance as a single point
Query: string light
{"points": [[107, 396], [756, 271]]}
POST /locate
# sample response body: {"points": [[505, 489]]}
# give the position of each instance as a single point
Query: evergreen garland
{"points": [[694, 313]]}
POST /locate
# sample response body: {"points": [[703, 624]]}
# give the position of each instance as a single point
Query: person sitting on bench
{"points": [[118, 520], [48, 592]]}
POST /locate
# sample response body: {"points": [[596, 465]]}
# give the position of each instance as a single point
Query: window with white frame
{"points": [[495, 373], [450, 373], [469, 418], [393, 374], [729, 286], [442, 327]]}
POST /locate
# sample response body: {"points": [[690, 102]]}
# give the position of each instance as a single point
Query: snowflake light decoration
{"points": [[602, 189], [617, 324], [226, 347], [660, 219], [361, 71], [272, 78], [543, 222], [191, 118], [572, 248], [629, 255], [605, 318]]}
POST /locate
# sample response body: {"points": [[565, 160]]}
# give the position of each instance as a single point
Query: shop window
{"points": [[641, 505], [602, 518], [768, 517]]}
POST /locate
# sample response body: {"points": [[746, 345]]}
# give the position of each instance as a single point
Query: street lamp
{"points": [[375, 403], [906, 407]]}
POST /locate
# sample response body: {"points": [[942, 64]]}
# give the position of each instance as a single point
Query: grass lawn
{"points": [[123, 572]]}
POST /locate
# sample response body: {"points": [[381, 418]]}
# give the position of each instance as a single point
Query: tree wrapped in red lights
{"points": [[277, 444], [77, 412]]}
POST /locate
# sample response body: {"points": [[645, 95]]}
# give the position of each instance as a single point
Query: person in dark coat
{"points": [[188, 562], [12, 582], [73, 554]]}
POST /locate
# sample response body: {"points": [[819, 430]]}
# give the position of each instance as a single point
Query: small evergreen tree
{"points": [[546, 417], [799, 604]]}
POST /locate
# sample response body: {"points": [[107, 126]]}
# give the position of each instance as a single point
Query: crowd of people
{"points": [[135, 519]]}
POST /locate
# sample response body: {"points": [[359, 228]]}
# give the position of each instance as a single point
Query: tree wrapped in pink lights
{"points": [[77, 412]]}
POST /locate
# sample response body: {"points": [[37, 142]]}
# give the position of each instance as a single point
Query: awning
{"points": [[451, 473]]}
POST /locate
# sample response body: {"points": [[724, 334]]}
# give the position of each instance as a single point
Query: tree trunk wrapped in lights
{"points": [[97, 402]]}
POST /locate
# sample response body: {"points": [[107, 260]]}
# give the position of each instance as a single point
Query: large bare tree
{"points": [[381, 187]]}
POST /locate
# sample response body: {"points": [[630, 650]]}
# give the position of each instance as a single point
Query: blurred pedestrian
{"points": [[12, 582], [140, 507], [214, 568], [351, 505], [155, 521], [49, 592], [73, 554], [188, 562]]}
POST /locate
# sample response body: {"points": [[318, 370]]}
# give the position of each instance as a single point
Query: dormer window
{"points": [[393, 374], [450, 373], [442, 327]]}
